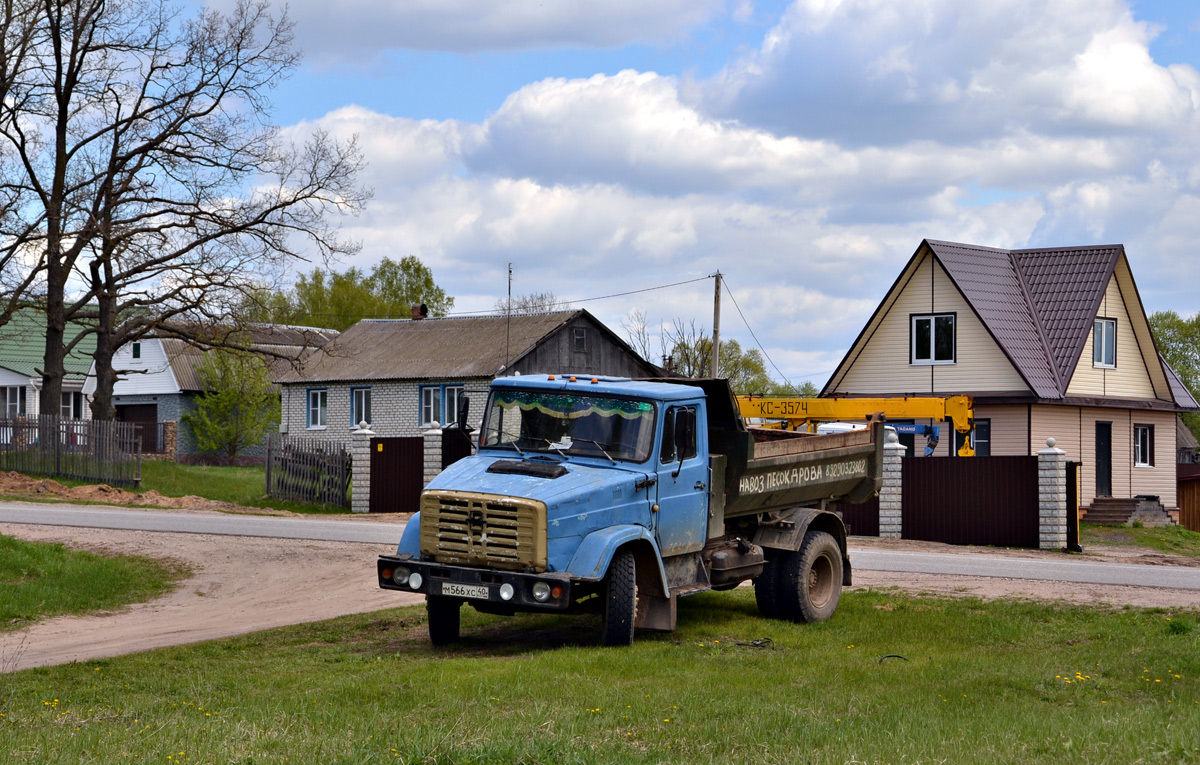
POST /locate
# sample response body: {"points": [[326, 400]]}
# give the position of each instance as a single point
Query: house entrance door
{"points": [[1103, 459]]}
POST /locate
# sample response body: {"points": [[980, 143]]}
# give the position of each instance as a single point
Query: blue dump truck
{"points": [[618, 497]]}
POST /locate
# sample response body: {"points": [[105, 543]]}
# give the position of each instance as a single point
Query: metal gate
{"points": [[862, 520], [145, 420], [456, 444], [981, 501], [397, 474]]}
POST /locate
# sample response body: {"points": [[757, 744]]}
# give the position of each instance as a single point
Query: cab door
{"points": [[681, 524]]}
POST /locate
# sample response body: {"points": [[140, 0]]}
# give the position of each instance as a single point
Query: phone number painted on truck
{"points": [[801, 476]]}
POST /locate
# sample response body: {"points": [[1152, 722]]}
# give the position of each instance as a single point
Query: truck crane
{"points": [[805, 413]]}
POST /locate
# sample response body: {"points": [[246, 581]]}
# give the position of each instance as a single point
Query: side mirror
{"points": [[464, 406]]}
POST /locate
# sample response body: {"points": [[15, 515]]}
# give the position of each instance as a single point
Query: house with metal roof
{"points": [[402, 376], [157, 379], [1050, 343], [22, 353]]}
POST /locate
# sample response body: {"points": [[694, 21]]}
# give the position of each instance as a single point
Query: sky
{"points": [[802, 149]]}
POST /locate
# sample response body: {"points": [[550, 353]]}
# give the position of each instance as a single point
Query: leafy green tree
{"points": [[238, 404], [1178, 340], [340, 300], [691, 354]]}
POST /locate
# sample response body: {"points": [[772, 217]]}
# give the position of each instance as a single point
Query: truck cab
{"points": [[611, 495]]}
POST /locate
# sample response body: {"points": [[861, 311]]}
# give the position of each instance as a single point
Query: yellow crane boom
{"points": [[797, 412]]}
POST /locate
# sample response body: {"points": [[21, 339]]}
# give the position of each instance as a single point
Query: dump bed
{"points": [[785, 469], [776, 469]]}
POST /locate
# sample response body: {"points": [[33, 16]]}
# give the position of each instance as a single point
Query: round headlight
{"points": [[400, 575], [506, 591], [541, 592], [414, 580]]}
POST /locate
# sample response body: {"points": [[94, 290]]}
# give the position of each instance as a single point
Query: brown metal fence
{"points": [[1189, 502], [862, 520], [982, 500], [86, 450], [308, 470]]}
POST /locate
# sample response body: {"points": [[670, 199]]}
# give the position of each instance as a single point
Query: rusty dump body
{"points": [[765, 469]]}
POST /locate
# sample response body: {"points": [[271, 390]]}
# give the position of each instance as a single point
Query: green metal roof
{"points": [[23, 346]]}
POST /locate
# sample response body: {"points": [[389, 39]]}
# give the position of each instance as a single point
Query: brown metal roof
{"points": [[184, 358], [990, 281], [1183, 396], [456, 347]]}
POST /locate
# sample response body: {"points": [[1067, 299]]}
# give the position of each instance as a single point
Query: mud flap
{"points": [[655, 614]]}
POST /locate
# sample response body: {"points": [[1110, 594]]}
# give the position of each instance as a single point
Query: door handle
{"points": [[700, 486]]}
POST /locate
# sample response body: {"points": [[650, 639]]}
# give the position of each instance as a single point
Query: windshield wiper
{"points": [[516, 437], [599, 446]]}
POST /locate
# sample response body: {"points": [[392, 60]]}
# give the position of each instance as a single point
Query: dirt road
{"points": [[245, 584]]}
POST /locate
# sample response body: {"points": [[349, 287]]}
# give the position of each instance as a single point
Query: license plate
{"points": [[477, 591]]}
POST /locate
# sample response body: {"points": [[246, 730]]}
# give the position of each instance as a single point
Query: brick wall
{"points": [[395, 407]]}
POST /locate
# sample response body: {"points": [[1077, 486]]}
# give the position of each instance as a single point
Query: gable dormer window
{"points": [[1104, 343], [933, 340]]}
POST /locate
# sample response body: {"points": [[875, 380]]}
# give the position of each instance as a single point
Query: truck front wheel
{"points": [[620, 600], [444, 617], [811, 581]]}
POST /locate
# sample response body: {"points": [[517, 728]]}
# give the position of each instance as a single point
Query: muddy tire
{"points": [[811, 581], [766, 585], [620, 600], [444, 619]]}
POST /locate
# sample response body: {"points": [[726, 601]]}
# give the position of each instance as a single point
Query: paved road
{"points": [[1086, 572]]}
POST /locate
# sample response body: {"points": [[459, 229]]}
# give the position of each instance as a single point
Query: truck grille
{"points": [[462, 527]]}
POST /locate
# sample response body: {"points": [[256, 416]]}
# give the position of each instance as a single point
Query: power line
{"points": [[760, 345]]}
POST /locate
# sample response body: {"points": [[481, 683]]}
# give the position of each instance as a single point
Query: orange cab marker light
{"points": [[572, 379], [549, 377], [595, 380]]}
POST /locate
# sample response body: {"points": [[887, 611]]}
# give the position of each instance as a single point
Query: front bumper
{"points": [[477, 585]]}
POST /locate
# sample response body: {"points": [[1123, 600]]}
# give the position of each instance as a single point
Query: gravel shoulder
{"points": [[246, 584]]}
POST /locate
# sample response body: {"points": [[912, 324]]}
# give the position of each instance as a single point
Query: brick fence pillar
{"points": [[1052, 497], [890, 496], [171, 439], [433, 453], [360, 469]]}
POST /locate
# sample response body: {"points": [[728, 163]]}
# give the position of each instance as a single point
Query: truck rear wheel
{"points": [[620, 600], [444, 619], [766, 585], [811, 581]]}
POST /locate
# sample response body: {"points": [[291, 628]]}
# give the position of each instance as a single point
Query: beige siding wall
{"points": [[1010, 437], [1130, 378], [1074, 430], [884, 365], [1160, 479]]}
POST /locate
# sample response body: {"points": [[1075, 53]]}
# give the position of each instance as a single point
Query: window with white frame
{"points": [[1143, 445], [318, 408], [1104, 343], [933, 339], [14, 400], [439, 403], [71, 405], [360, 406], [454, 394]]}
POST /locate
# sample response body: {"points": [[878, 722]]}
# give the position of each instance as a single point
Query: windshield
{"points": [[570, 423]]}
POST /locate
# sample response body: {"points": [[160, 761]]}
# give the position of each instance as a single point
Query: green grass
{"points": [[1175, 540], [39, 580], [980, 682], [239, 485]]}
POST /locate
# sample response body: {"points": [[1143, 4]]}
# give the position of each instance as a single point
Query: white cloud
{"points": [[808, 172], [885, 73]]}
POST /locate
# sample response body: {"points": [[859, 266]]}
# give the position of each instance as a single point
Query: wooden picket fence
{"points": [[87, 450], [308, 470]]}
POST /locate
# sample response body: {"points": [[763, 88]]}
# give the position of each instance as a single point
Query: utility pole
{"points": [[508, 324], [716, 343]]}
